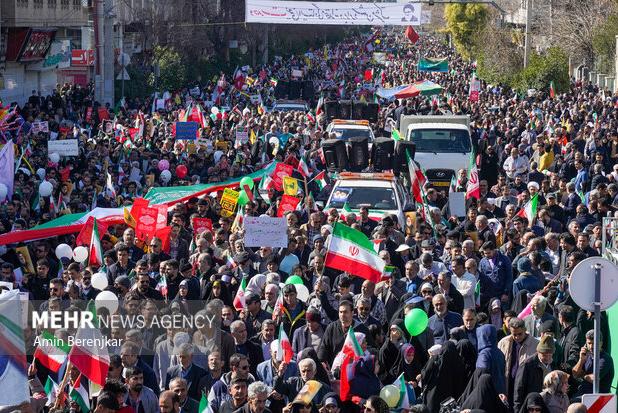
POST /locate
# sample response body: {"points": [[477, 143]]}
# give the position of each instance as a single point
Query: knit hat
{"points": [[524, 265], [546, 345]]}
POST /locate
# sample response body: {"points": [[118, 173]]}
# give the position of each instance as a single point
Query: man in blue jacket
{"points": [[496, 275]]}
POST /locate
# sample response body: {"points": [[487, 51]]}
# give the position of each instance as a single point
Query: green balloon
{"points": [[246, 181], [294, 279], [243, 198], [416, 321]]}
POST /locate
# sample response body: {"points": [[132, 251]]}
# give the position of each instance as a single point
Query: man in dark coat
{"points": [[335, 333], [187, 370], [530, 375], [571, 341], [238, 329]]}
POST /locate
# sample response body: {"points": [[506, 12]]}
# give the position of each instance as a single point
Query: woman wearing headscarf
{"points": [[390, 356], [483, 396], [468, 355], [533, 404], [490, 359], [555, 388], [441, 379]]}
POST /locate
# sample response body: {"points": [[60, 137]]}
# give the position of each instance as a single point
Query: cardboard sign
{"points": [[242, 137], [475, 89], [64, 147], [281, 171], [265, 232], [146, 223], [186, 130], [457, 204], [41, 126], [201, 224], [288, 203], [228, 202]]}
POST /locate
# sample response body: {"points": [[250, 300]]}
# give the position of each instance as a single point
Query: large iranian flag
{"points": [[350, 250], [52, 352], [90, 356], [530, 209]]}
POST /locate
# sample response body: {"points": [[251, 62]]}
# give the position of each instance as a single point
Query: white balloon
{"points": [[214, 110], [80, 254], [3, 192], [64, 251], [106, 299], [99, 281], [45, 189], [41, 173], [166, 176], [54, 157], [302, 293]]}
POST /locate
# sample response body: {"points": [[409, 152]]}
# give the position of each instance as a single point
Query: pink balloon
{"points": [[163, 165]]}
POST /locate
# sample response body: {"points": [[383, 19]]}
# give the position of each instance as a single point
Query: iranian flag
{"points": [[350, 250], [352, 351], [552, 91], [52, 352], [417, 179], [351, 347], [473, 189], [319, 108], [203, 407], [303, 168], [162, 286], [320, 179], [90, 356], [95, 254], [239, 299], [529, 210], [79, 394], [404, 396], [51, 388], [110, 186], [284, 352]]}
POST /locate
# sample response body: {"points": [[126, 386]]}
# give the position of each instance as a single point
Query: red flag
{"points": [[164, 235], [344, 383], [288, 203], [412, 35], [136, 208], [86, 233], [146, 224], [368, 75]]}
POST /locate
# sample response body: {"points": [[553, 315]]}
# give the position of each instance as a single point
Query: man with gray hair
{"points": [[253, 352], [535, 320], [257, 394], [180, 387], [187, 370], [292, 386]]}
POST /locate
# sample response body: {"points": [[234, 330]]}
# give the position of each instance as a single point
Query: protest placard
{"points": [[186, 130], [63, 147], [228, 202], [265, 232]]}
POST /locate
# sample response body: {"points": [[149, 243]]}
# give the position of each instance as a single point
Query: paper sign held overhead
{"points": [[63, 147], [265, 232]]}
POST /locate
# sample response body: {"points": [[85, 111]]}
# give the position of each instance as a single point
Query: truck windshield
{"points": [[373, 198], [441, 140], [346, 134]]}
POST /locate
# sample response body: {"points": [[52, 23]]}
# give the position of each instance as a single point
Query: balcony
{"points": [[43, 13]]}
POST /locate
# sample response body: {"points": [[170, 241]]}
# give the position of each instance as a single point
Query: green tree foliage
{"points": [[136, 87], [553, 65], [604, 43], [464, 22], [173, 73]]}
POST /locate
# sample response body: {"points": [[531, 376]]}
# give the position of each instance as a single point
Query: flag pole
{"points": [[63, 385]]}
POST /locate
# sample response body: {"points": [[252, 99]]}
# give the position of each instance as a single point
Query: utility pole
{"points": [[98, 20], [528, 40], [108, 52]]}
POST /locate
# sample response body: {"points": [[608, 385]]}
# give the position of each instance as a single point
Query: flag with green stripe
{"points": [[52, 351], [350, 250]]}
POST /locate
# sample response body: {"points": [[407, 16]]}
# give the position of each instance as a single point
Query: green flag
{"points": [[203, 407]]}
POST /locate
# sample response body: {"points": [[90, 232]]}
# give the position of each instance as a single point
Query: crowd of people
{"points": [[485, 348]]}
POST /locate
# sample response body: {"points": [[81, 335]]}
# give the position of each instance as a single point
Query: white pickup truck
{"points": [[443, 145]]}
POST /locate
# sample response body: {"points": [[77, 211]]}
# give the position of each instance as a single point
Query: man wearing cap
{"points": [[530, 374], [309, 335], [244, 267], [253, 315]]}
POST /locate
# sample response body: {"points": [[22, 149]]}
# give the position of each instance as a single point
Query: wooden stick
{"points": [[63, 384]]}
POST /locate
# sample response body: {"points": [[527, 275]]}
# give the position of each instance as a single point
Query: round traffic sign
{"points": [[581, 285]]}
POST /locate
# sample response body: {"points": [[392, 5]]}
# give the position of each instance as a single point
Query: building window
{"points": [[22, 3], [51, 4], [64, 4], [38, 4]]}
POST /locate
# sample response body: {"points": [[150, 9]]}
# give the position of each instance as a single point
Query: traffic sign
{"points": [[124, 59], [582, 283], [600, 403], [123, 75]]}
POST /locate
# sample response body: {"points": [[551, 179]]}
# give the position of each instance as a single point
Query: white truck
{"points": [[443, 145]]}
